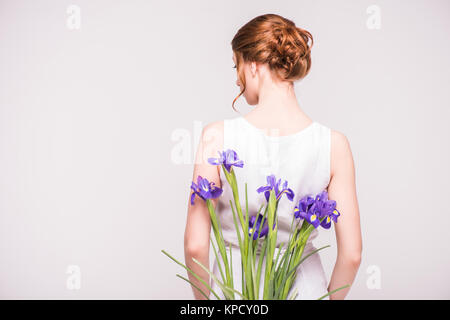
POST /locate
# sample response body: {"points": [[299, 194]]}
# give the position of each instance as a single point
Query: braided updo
{"points": [[276, 41]]}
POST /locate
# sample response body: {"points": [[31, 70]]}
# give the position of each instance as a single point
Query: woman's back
{"points": [[302, 158], [270, 54]]}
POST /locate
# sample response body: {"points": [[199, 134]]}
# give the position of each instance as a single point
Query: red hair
{"points": [[276, 41]]}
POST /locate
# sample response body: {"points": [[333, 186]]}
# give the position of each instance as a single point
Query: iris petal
{"points": [[274, 184], [326, 223], [214, 161], [263, 188], [264, 231], [290, 194], [216, 192], [254, 227], [205, 189], [228, 159], [239, 164], [271, 180], [313, 219], [335, 214]]}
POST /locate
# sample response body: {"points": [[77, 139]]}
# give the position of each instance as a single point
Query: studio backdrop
{"points": [[102, 104]]}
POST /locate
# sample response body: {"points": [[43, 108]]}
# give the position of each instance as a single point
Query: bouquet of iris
{"points": [[280, 272]]}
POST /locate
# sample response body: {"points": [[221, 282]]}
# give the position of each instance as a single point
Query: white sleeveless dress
{"points": [[303, 159]]}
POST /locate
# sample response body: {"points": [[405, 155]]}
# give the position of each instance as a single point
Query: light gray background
{"points": [[88, 119]]}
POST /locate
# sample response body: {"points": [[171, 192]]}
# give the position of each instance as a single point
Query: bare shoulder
{"points": [[341, 154], [212, 137], [214, 127]]}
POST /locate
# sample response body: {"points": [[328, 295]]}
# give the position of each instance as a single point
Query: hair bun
{"points": [[291, 53], [277, 41]]}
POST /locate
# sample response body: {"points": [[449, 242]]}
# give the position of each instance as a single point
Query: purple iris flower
{"points": [[272, 183], [313, 209], [303, 207], [204, 189], [327, 209], [326, 223], [228, 158], [307, 209], [252, 225]]}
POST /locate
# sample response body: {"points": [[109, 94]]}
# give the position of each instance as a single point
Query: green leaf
{"points": [[234, 188], [241, 248], [219, 237], [226, 289], [270, 290], [278, 256], [294, 294], [193, 284], [272, 242], [313, 252], [291, 271], [331, 292], [280, 276], [261, 258], [259, 229], [271, 208], [218, 261], [248, 273], [231, 268], [192, 272]]}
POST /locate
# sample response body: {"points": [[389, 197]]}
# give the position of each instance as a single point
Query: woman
{"points": [[276, 137]]}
